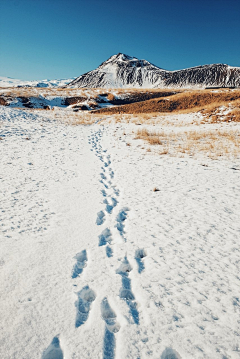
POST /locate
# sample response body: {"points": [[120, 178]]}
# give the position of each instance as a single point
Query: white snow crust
{"points": [[95, 264]]}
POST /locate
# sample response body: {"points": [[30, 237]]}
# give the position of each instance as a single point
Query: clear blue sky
{"points": [[42, 39]]}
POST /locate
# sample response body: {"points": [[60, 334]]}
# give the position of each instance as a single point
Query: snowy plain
{"points": [[95, 264]]}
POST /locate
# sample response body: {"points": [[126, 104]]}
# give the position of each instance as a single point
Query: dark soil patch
{"points": [[3, 102], [140, 96], [74, 100]]}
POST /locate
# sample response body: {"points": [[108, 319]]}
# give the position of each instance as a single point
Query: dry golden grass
{"points": [[214, 112], [213, 143], [75, 118], [126, 118], [235, 115], [110, 97], [183, 102]]}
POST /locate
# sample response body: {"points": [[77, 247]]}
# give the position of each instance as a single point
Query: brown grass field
{"points": [[183, 102]]}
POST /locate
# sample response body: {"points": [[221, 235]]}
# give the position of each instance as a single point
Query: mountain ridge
{"points": [[121, 71]]}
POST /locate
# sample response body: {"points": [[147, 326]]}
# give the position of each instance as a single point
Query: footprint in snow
{"points": [[111, 174], [109, 207], [106, 238], [109, 316], [106, 164], [109, 251], [139, 255], [111, 327], [114, 201], [116, 191], [121, 217], [170, 353], [104, 193], [105, 185], [54, 350], [100, 218], [103, 176], [85, 298], [80, 264], [126, 290]]}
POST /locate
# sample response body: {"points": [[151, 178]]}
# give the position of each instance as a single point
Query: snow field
{"points": [[95, 264], [190, 231]]}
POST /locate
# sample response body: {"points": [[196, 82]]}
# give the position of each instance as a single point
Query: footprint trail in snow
{"points": [[115, 219], [110, 195]]}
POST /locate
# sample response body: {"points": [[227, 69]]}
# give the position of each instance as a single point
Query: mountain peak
{"points": [[120, 57], [124, 57]]}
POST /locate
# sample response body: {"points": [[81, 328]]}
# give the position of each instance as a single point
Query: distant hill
{"points": [[10, 82]]}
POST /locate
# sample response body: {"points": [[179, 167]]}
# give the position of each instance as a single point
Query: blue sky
{"points": [[42, 39]]}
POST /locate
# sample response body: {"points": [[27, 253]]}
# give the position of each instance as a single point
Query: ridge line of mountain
{"points": [[121, 71]]}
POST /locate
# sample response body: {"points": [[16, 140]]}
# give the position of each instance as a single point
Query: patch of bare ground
{"points": [[3, 102], [69, 101], [211, 143]]}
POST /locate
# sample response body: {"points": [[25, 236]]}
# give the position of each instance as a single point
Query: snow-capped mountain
{"points": [[10, 82], [120, 71], [125, 71]]}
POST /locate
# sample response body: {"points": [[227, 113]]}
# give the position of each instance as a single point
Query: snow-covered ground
{"points": [[95, 264], [11, 82]]}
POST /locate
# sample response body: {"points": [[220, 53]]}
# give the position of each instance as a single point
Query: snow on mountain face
{"points": [[120, 71], [10, 82], [125, 71]]}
